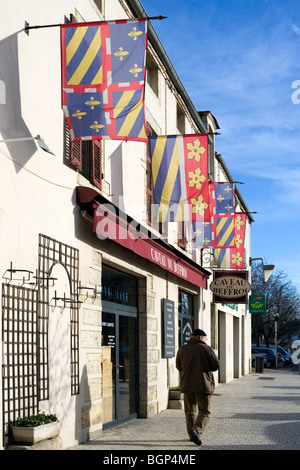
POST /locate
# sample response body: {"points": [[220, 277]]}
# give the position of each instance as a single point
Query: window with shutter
{"points": [[96, 164], [181, 239], [149, 188], [86, 157]]}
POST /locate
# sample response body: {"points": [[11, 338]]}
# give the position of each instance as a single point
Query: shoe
{"points": [[195, 438]]}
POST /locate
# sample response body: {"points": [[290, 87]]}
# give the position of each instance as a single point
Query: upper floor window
{"points": [[181, 238], [152, 74], [86, 156], [180, 120], [99, 4]]}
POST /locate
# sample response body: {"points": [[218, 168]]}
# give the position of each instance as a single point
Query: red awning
{"points": [[109, 224]]}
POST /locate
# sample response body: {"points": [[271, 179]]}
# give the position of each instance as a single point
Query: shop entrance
{"points": [[119, 377], [119, 342]]}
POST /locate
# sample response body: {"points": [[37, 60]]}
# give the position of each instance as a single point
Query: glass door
{"points": [[119, 372]]}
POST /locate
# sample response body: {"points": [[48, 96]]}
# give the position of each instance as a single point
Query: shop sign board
{"points": [[257, 304], [230, 287], [168, 328]]}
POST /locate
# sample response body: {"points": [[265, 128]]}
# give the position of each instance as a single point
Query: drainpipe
{"points": [[139, 11]]}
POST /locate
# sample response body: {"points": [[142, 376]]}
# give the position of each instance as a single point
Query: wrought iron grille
{"points": [[20, 367], [51, 252]]}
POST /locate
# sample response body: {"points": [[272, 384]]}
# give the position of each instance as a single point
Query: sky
{"points": [[240, 60]]}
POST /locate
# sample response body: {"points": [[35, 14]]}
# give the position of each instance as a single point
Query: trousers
{"points": [[197, 411]]}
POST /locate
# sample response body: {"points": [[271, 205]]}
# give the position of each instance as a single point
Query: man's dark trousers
{"points": [[194, 402]]}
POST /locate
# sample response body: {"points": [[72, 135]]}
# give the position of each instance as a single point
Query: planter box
{"points": [[175, 395], [32, 435]]}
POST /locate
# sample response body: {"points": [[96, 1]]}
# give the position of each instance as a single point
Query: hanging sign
{"points": [[257, 304], [230, 287], [169, 328]]}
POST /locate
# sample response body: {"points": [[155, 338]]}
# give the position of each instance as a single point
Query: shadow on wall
{"points": [[116, 168], [12, 125]]}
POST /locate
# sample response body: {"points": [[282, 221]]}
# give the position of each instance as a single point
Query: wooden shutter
{"points": [[96, 164], [149, 188], [76, 154]]}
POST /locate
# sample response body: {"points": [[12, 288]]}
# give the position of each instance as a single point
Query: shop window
{"points": [[185, 317]]}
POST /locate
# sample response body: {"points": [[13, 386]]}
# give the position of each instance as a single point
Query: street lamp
{"points": [[276, 318], [267, 268], [42, 144]]}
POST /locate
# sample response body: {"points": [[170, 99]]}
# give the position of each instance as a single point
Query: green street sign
{"points": [[257, 304]]}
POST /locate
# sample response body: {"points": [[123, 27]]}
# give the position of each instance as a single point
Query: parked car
{"points": [[270, 356], [286, 356]]}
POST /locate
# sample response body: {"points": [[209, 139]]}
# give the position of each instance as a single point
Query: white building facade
{"points": [[84, 318]]}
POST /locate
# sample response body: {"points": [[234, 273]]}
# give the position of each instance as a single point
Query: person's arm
{"points": [[214, 361], [178, 361]]}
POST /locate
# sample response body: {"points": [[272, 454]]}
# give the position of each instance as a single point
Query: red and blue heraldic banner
{"points": [[180, 177], [103, 79], [234, 258]]}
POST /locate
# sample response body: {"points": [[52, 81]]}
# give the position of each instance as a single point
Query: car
{"points": [[270, 356], [286, 356]]}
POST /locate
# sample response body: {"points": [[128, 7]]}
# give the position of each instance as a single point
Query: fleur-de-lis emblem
{"points": [[96, 126], [121, 53], [78, 114], [92, 102], [135, 33], [135, 70]]}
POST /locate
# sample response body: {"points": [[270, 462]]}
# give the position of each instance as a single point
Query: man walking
{"points": [[196, 362]]}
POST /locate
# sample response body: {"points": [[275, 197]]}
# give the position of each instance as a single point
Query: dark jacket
{"points": [[196, 361]]}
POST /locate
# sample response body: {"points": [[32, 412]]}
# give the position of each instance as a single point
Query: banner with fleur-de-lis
{"points": [[103, 79], [180, 177]]}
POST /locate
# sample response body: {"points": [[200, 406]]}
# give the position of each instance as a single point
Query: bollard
{"points": [[259, 364]]}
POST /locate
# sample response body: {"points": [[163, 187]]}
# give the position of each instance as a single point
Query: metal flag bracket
{"points": [[27, 26]]}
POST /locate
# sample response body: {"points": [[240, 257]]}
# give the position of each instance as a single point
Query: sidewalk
{"points": [[255, 412]]}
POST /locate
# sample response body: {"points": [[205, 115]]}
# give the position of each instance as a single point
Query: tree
{"points": [[283, 298]]}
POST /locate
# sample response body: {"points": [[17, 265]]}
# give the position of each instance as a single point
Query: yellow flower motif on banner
{"points": [[195, 179], [121, 53], [135, 70], [96, 126], [238, 222], [237, 259], [198, 205], [195, 150], [135, 33], [92, 102], [238, 241], [78, 114]]}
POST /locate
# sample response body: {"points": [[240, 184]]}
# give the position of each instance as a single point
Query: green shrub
{"points": [[36, 420]]}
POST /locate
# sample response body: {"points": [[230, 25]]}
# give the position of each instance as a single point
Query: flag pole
{"points": [[28, 27]]}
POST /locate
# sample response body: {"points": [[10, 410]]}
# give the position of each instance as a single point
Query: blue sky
{"points": [[240, 59]]}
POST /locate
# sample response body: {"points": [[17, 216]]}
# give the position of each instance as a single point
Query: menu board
{"points": [[168, 349]]}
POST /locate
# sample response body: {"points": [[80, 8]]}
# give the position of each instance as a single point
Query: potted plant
{"points": [[35, 428], [175, 393]]}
